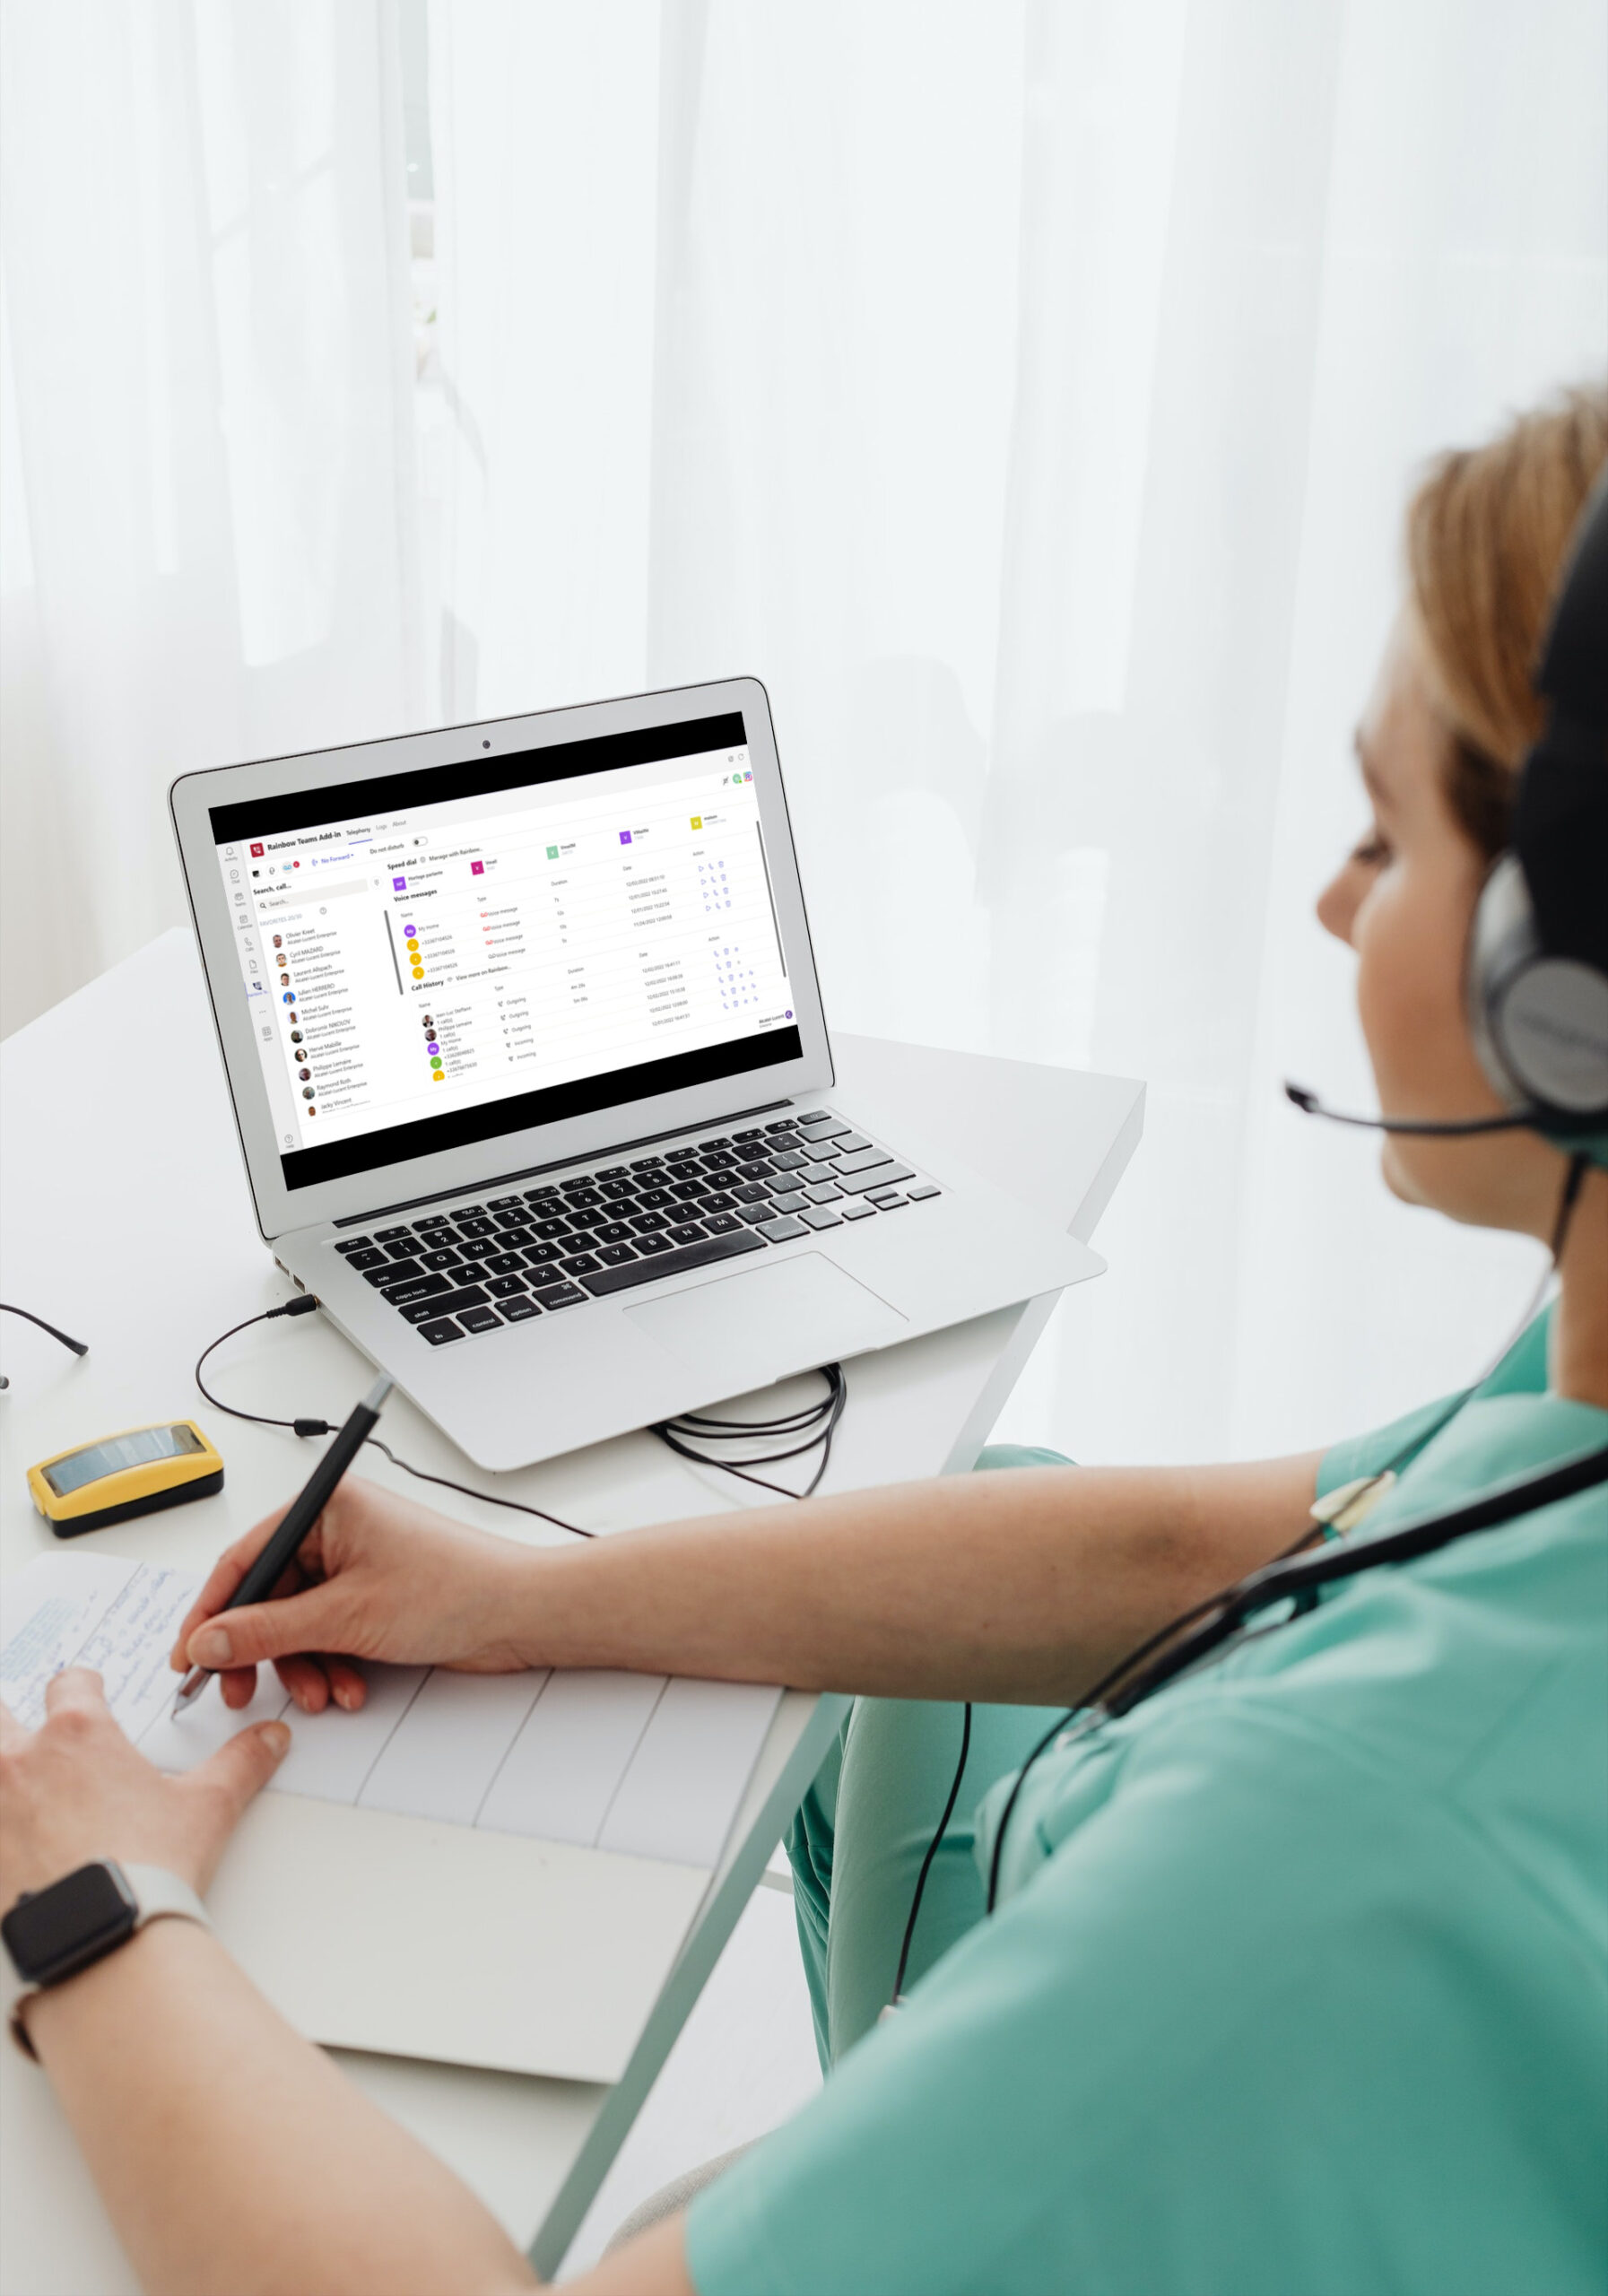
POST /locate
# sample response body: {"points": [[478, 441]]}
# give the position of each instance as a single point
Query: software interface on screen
{"points": [[436, 956]]}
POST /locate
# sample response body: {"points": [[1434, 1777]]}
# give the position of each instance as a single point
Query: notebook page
{"points": [[620, 1761]]}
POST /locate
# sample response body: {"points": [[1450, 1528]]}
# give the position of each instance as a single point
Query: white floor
{"points": [[744, 2062]]}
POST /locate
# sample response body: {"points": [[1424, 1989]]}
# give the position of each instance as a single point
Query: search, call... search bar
{"points": [[314, 894]]}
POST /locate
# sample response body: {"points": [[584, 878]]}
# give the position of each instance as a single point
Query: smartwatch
{"points": [[52, 1934]]}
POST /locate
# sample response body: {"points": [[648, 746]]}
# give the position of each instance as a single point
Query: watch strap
{"points": [[157, 1893]]}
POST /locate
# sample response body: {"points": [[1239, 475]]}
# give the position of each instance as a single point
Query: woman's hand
{"points": [[75, 1789], [377, 1577]]}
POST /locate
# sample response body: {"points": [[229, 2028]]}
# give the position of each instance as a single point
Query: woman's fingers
{"points": [[313, 1619], [76, 1690], [230, 1568]]}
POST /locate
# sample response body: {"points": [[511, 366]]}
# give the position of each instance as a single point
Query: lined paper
{"points": [[630, 1763]]}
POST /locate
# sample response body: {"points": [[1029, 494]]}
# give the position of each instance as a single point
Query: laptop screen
{"points": [[436, 957]]}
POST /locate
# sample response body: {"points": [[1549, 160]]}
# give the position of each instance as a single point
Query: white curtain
{"points": [[209, 468], [1027, 390]]}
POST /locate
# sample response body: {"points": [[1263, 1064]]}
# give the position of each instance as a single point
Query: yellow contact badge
{"points": [[133, 1473]]}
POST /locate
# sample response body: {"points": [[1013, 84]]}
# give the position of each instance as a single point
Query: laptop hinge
{"points": [[535, 1171]]}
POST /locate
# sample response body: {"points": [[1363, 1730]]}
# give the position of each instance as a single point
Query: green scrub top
{"points": [[1301, 1988]]}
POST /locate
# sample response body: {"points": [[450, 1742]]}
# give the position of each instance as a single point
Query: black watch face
{"points": [[69, 1925]]}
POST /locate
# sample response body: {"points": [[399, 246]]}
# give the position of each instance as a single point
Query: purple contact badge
{"points": [[625, 837], [399, 884], [787, 1016], [477, 868]]}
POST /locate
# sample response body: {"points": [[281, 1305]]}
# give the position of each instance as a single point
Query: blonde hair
{"points": [[1487, 533]]}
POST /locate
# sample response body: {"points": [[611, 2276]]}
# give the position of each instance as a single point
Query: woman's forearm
{"points": [[232, 2155], [1018, 1588]]}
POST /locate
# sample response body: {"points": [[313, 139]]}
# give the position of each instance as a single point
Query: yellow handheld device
{"points": [[131, 1474]]}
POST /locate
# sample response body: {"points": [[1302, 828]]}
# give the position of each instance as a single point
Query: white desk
{"points": [[128, 1223]]}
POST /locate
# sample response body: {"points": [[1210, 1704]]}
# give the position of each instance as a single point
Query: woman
{"points": [[1297, 1982]]}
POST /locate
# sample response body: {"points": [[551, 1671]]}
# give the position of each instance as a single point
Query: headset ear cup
{"points": [[1539, 1023], [1502, 945]]}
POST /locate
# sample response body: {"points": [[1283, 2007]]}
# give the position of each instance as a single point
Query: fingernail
{"points": [[343, 1697], [276, 1738], [212, 1647]]}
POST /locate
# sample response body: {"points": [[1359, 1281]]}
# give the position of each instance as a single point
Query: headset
{"points": [[1537, 964], [1536, 990]]}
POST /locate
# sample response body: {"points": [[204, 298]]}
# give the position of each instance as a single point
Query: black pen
{"points": [[301, 1516]]}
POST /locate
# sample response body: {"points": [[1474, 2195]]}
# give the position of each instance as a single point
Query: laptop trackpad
{"points": [[752, 1327]]}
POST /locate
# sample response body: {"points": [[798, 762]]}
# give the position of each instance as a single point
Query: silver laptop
{"points": [[532, 1083]]}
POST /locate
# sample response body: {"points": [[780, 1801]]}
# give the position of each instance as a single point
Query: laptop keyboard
{"points": [[455, 1274]]}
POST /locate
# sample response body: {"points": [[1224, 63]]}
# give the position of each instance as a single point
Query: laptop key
{"points": [[643, 1223], [445, 1257], [654, 1247], [858, 1207], [849, 1143], [611, 1172], [432, 1220], [717, 1200], [504, 1263], [615, 1255], [782, 1124], [519, 1310], [861, 1160], [647, 1164], [541, 1194], [370, 1255], [822, 1191], [614, 1232], [389, 1235], [789, 1160], [441, 1331], [794, 1200], [405, 1247], [689, 1232], [884, 1176], [421, 1311], [721, 1224], [506, 1287], [754, 1215], [546, 1228], [814, 1115], [392, 1271], [417, 1287], [561, 1295], [751, 1192], [614, 1189], [477, 1225], [655, 1199], [542, 1255], [920, 1194], [501, 1202], [479, 1319], [717, 1160], [821, 1215], [892, 1202], [672, 1263], [347, 1245], [453, 1303], [782, 1232], [581, 1263], [469, 1212]]}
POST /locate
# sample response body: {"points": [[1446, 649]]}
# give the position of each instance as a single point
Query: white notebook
{"points": [[488, 1869]]}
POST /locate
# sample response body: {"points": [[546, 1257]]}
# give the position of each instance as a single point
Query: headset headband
{"points": [[1560, 819]]}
